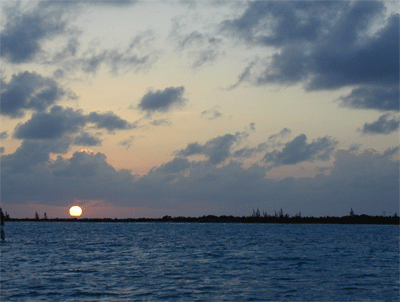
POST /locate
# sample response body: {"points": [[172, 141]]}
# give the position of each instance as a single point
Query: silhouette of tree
{"points": [[45, 216], [256, 213], [298, 215], [36, 216], [351, 212]]}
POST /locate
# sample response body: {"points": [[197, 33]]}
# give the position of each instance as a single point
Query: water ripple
{"points": [[199, 262]]}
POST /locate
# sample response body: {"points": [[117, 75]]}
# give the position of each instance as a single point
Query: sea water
{"points": [[60, 261]]}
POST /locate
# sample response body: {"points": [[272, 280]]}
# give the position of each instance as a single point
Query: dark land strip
{"points": [[354, 219]]}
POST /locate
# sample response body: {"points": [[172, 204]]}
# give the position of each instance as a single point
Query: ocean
{"points": [[79, 261]]}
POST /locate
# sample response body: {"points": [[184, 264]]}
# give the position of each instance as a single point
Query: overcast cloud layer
{"points": [[222, 106]]}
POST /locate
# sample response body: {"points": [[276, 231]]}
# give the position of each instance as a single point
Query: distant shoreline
{"points": [[355, 219]]}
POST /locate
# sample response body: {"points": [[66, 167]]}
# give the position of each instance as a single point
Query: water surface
{"points": [[60, 261]]}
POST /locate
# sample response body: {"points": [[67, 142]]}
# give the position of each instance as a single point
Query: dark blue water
{"points": [[49, 261]]}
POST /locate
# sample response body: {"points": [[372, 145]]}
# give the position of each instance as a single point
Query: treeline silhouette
{"points": [[256, 217]]}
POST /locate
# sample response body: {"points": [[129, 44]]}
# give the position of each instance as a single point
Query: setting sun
{"points": [[75, 211]]}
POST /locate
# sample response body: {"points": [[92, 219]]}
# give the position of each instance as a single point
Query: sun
{"points": [[75, 211]]}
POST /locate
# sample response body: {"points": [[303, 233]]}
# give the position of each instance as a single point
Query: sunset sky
{"points": [[190, 108]]}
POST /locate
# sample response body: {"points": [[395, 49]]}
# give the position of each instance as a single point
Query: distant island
{"points": [[256, 217]]}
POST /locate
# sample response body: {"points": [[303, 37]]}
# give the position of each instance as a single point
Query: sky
{"points": [[190, 108]]}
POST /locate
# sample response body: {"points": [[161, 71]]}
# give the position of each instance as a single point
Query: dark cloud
{"points": [[211, 114], [30, 91], [82, 176], [247, 152], [51, 125], [85, 139], [366, 181], [24, 32], [379, 98], [177, 165], [276, 23], [191, 149], [216, 150], [324, 45], [81, 165], [32, 154], [298, 150], [108, 121], [2, 150], [162, 100], [386, 124], [391, 151], [61, 121]]}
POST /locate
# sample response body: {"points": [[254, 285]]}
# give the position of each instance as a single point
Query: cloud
{"points": [[24, 32], [378, 98], [2, 150], [109, 121], [117, 3], [216, 150], [81, 165], [115, 59], [128, 142], [211, 114], [391, 151], [177, 165], [3, 135], [85, 139], [139, 54], [244, 76], [386, 124], [160, 122], [283, 133], [32, 154], [297, 151], [61, 121], [324, 45], [247, 152], [30, 91], [51, 125], [366, 181], [201, 48], [162, 100], [62, 181]]}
